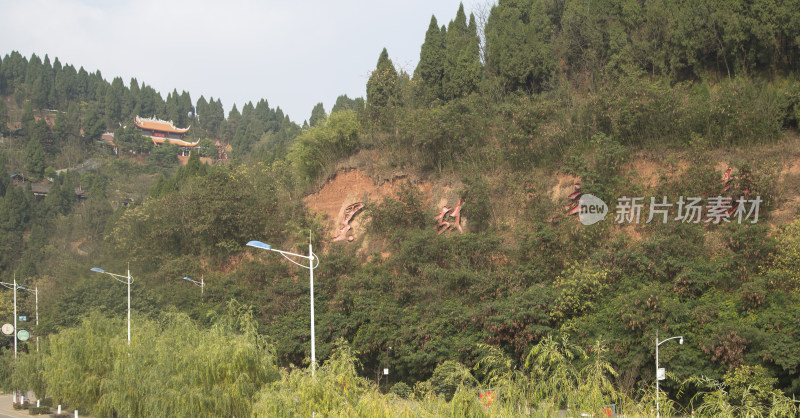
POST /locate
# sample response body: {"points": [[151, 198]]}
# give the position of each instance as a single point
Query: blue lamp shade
{"points": [[21, 287], [186, 278], [97, 269], [259, 244]]}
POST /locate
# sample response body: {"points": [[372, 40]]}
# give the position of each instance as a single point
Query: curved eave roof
{"points": [[158, 125], [179, 142]]}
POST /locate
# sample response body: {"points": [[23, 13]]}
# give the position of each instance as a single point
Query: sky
{"points": [[293, 54]]}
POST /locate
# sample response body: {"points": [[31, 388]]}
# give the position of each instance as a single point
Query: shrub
{"points": [[37, 410], [402, 390], [743, 111], [449, 376]]}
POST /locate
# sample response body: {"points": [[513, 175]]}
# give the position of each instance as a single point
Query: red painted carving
{"points": [[442, 225], [443, 219], [574, 200], [349, 213]]}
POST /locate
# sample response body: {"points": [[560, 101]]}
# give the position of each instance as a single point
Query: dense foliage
{"points": [[505, 109]]}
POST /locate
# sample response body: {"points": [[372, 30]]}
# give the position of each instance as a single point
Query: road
{"points": [[8, 411]]}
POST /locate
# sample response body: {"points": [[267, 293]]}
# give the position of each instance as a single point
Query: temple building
{"points": [[160, 131]]}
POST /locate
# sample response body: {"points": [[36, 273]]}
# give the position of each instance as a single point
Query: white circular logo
{"points": [[8, 329], [592, 209]]}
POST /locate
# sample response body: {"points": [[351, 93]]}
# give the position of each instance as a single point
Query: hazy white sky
{"points": [[294, 54]]}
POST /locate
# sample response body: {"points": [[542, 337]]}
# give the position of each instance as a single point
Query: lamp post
{"points": [[310, 257], [386, 370], [128, 281], [201, 283], [13, 286], [658, 376], [35, 292]]}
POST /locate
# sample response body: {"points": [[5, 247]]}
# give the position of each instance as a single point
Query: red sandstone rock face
{"points": [[349, 187]]}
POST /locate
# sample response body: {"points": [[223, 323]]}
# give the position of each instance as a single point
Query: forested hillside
{"points": [[511, 115]]}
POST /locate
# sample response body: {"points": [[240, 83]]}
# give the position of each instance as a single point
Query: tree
{"points": [[462, 69], [15, 210], [334, 137], [208, 149], [28, 119], [382, 90], [5, 181], [113, 101], [93, 126], [345, 103], [35, 159], [430, 70], [518, 48], [67, 124], [3, 117], [317, 114]]}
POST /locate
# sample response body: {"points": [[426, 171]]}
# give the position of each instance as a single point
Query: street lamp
{"points": [[128, 281], [201, 283], [13, 286], [35, 292], [386, 370], [660, 373], [310, 257]]}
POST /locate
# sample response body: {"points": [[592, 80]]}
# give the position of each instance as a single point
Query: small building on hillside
{"points": [[222, 150], [107, 138], [161, 131]]}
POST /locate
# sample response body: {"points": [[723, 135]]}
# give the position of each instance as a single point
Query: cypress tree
{"points": [[34, 159], [345, 103], [462, 64], [518, 47], [5, 180], [27, 118], [317, 114], [430, 70], [382, 86], [3, 117]]}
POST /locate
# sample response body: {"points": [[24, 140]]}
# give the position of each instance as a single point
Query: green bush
{"points": [[742, 111], [402, 390], [318, 147], [449, 376], [37, 410], [637, 111], [396, 216], [446, 135]]}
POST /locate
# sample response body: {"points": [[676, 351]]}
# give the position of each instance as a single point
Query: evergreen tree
{"points": [[28, 119], [113, 101], [201, 106], [345, 103], [34, 159], [15, 210], [317, 114], [234, 113], [382, 86], [173, 108], [67, 124], [462, 70], [186, 109], [193, 167], [5, 180], [93, 126], [3, 117], [430, 70], [134, 94]]}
